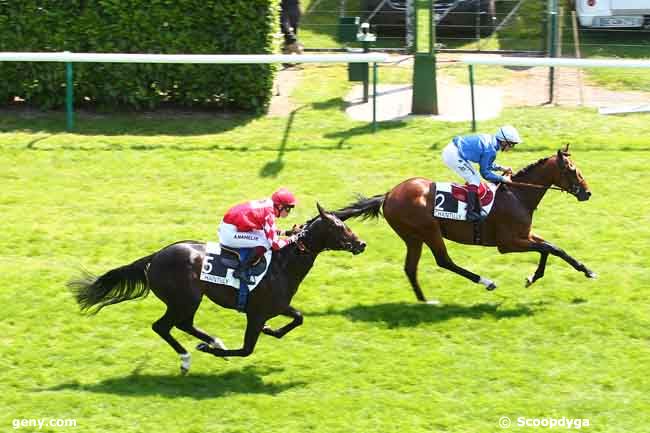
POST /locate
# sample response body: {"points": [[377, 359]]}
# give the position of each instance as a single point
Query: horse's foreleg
{"points": [[254, 326], [545, 247], [279, 333], [539, 272], [538, 244], [437, 245], [188, 327]]}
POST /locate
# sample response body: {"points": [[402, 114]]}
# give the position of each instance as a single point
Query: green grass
{"points": [[368, 357]]}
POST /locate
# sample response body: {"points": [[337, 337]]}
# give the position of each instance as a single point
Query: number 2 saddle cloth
{"points": [[451, 200], [221, 261]]}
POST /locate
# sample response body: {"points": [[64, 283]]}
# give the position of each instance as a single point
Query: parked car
{"points": [[452, 16], [613, 13]]}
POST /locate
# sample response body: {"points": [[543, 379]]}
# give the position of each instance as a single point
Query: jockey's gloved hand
{"points": [[507, 170]]}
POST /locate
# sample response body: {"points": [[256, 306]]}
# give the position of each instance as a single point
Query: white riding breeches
{"points": [[457, 163], [229, 236]]}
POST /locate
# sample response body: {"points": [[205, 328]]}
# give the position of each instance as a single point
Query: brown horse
{"points": [[408, 210], [173, 275]]}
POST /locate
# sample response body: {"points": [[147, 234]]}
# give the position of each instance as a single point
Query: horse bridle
{"points": [[574, 189], [300, 243], [534, 185]]}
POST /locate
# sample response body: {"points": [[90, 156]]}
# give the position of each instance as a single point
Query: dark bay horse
{"points": [[408, 210], [173, 275]]}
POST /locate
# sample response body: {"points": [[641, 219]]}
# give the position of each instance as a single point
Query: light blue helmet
{"points": [[508, 134]]}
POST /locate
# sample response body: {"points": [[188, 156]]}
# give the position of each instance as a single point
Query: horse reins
{"points": [[533, 185]]}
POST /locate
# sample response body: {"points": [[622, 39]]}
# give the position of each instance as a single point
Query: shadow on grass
{"points": [[198, 386], [397, 315], [180, 123], [273, 168], [343, 136]]}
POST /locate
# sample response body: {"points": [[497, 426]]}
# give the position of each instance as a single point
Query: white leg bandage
{"points": [[186, 361]]}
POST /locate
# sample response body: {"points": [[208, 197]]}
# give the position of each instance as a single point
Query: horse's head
{"points": [[332, 234], [568, 176]]}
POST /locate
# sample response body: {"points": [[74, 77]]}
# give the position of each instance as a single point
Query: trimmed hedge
{"points": [[139, 26]]}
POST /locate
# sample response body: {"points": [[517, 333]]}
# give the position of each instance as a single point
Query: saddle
{"points": [[485, 194], [230, 258]]}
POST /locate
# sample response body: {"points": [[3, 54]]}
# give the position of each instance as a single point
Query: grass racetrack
{"points": [[368, 357]]}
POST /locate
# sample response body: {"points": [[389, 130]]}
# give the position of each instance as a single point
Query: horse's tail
{"points": [[364, 207], [117, 285]]}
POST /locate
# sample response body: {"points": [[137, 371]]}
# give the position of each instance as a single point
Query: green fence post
{"points": [[425, 97], [374, 97], [553, 45], [69, 97], [471, 89]]}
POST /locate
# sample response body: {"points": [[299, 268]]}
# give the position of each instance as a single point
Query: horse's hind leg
{"points": [[436, 244], [163, 327], [413, 254]]}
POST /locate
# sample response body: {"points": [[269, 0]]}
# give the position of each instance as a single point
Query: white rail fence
{"points": [[69, 58]]}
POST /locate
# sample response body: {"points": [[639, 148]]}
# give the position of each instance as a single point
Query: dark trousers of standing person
{"points": [[289, 20]]}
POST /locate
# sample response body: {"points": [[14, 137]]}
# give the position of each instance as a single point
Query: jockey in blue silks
{"points": [[481, 149]]}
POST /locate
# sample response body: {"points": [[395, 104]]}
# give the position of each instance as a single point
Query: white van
{"points": [[613, 13]]}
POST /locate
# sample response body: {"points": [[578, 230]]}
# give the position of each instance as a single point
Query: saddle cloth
{"points": [[219, 265], [451, 199]]}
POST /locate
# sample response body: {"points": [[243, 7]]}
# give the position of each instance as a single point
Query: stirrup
{"points": [[243, 275]]}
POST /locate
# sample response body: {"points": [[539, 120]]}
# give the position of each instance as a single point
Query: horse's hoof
{"points": [[433, 302], [529, 281], [203, 347], [489, 284], [218, 344], [184, 371], [591, 274]]}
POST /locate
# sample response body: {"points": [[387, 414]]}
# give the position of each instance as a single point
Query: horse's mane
{"points": [[530, 167], [535, 164]]}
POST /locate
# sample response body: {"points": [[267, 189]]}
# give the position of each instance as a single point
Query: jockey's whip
{"points": [[532, 185]]}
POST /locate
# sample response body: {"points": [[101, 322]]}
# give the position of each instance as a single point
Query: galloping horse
{"points": [[173, 275], [408, 210]]}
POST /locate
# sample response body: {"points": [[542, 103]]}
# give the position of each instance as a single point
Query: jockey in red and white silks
{"points": [[252, 224]]}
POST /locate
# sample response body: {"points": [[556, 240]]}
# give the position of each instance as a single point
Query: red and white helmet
{"points": [[283, 197]]}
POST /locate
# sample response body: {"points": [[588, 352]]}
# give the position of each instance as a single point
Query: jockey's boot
{"points": [[242, 272], [473, 204]]}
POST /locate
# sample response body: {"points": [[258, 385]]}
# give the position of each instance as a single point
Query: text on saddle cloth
{"points": [[450, 200], [219, 265]]}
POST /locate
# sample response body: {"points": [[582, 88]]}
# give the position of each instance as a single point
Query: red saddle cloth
{"points": [[460, 193]]}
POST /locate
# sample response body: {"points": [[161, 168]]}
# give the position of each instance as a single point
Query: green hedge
{"points": [[139, 26]]}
